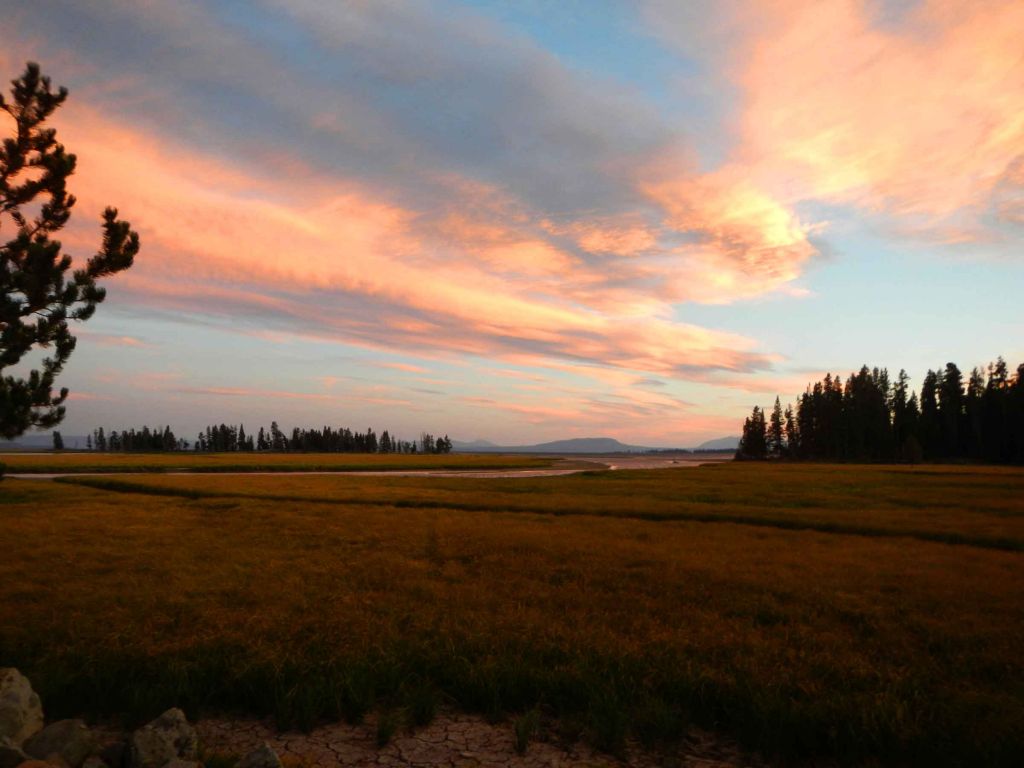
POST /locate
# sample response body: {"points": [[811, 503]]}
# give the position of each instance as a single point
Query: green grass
{"points": [[47, 463], [617, 605]]}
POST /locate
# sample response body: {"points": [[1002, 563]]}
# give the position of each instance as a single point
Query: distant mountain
{"points": [[585, 445], [720, 444], [575, 445], [473, 445]]}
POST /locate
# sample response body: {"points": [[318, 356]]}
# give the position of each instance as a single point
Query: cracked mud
{"points": [[455, 741]]}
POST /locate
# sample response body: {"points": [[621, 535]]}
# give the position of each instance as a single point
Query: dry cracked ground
{"points": [[452, 740]]}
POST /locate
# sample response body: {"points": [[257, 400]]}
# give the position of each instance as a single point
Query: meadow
{"points": [[192, 461], [847, 612]]}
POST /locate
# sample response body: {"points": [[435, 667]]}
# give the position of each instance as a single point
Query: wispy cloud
{"points": [[326, 257], [489, 254], [404, 367], [915, 116], [113, 339], [263, 394], [422, 181]]}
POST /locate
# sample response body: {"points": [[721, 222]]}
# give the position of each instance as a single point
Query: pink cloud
{"points": [[78, 395], [328, 381], [263, 394], [583, 412], [917, 117], [216, 240], [748, 242], [111, 339], [620, 236], [406, 367], [922, 120]]}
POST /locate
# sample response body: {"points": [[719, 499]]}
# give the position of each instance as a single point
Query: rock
{"points": [[10, 755], [94, 762], [161, 741], [70, 740], [36, 764], [179, 763], [149, 749], [21, 712], [263, 756], [114, 754]]}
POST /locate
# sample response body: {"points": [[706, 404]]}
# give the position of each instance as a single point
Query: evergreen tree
{"points": [[792, 433], [58, 441], [806, 423], [277, 439], [155, 439], [775, 432], [974, 422], [872, 419], [754, 442], [1015, 424], [899, 405], [951, 411], [929, 429], [996, 415], [37, 297], [910, 445]]}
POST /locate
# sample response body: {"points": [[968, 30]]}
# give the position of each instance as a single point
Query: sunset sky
{"points": [[522, 221]]}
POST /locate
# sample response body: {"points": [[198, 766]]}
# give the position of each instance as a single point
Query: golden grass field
{"points": [[88, 461], [859, 613]]}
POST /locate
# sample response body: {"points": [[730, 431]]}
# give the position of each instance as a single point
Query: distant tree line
{"points": [[224, 438], [143, 440], [870, 418]]}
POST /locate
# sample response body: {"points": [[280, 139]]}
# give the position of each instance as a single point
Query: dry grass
{"points": [[796, 641], [980, 506], [257, 462]]}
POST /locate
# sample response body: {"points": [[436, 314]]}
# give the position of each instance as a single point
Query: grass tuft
{"points": [[219, 760], [525, 728], [388, 722], [420, 704]]}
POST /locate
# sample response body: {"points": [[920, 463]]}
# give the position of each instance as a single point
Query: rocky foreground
{"points": [[170, 741], [26, 741]]}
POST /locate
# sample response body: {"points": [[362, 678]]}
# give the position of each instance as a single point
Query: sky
{"points": [[532, 220]]}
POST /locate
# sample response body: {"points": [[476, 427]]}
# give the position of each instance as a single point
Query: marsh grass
{"points": [[218, 760], [525, 728], [388, 722], [319, 607], [972, 506], [190, 461], [420, 700]]}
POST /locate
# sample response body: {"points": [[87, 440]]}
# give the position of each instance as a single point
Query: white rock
{"points": [[168, 737], [69, 740], [21, 712]]}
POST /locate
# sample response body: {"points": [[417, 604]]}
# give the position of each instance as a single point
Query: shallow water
{"points": [[580, 464]]}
